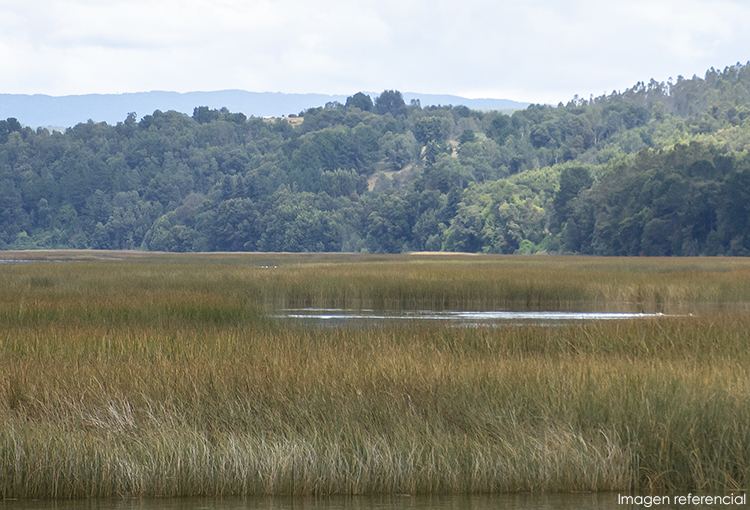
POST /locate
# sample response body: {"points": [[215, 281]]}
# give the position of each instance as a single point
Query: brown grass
{"points": [[161, 376]]}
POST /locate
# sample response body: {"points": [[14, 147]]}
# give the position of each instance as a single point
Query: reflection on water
{"points": [[397, 502], [339, 317]]}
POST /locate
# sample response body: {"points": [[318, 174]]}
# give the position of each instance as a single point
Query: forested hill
{"points": [[659, 169]]}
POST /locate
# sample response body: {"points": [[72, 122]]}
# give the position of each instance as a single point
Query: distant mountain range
{"points": [[65, 111]]}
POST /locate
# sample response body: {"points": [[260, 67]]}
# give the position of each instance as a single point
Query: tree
{"points": [[399, 150], [389, 225], [10, 125], [734, 211], [572, 181], [231, 225], [483, 158], [204, 115], [465, 231], [428, 129], [342, 183], [500, 128], [361, 101], [13, 218], [467, 136], [390, 101], [445, 174]]}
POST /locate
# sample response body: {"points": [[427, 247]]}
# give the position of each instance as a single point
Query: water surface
{"points": [[344, 317], [396, 502]]}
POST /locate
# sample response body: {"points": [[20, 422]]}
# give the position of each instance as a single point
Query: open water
{"points": [[398, 502], [343, 317]]}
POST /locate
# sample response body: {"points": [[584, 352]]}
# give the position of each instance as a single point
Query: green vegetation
{"points": [[659, 169], [160, 375]]}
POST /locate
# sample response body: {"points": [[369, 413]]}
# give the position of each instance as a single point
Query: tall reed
{"points": [[268, 281], [166, 380]]}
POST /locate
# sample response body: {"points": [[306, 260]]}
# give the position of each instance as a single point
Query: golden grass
{"points": [[164, 379], [272, 281]]}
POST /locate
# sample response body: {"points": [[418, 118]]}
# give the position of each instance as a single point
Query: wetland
{"points": [[154, 375]]}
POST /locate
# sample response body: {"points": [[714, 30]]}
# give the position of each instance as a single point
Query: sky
{"points": [[540, 51]]}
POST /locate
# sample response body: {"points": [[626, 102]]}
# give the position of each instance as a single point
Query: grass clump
{"points": [[161, 379]]}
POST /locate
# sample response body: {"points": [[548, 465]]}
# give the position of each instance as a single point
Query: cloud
{"points": [[538, 50]]}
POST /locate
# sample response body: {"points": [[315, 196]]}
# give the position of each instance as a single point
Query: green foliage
{"points": [[399, 150], [572, 181], [500, 128], [467, 136], [465, 231], [361, 101], [655, 170], [428, 129], [390, 101]]}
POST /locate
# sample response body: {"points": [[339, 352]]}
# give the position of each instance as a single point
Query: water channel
{"points": [[334, 317]]}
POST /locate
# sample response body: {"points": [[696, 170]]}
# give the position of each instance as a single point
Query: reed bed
{"points": [[150, 378], [274, 281]]}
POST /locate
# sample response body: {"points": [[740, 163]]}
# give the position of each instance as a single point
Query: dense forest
{"points": [[659, 169]]}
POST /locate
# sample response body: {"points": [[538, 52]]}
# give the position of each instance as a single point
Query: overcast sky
{"points": [[530, 50]]}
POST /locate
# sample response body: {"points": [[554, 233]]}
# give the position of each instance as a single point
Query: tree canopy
{"points": [[659, 169]]}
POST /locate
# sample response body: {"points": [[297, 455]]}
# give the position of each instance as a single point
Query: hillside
{"points": [[658, 169]]}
